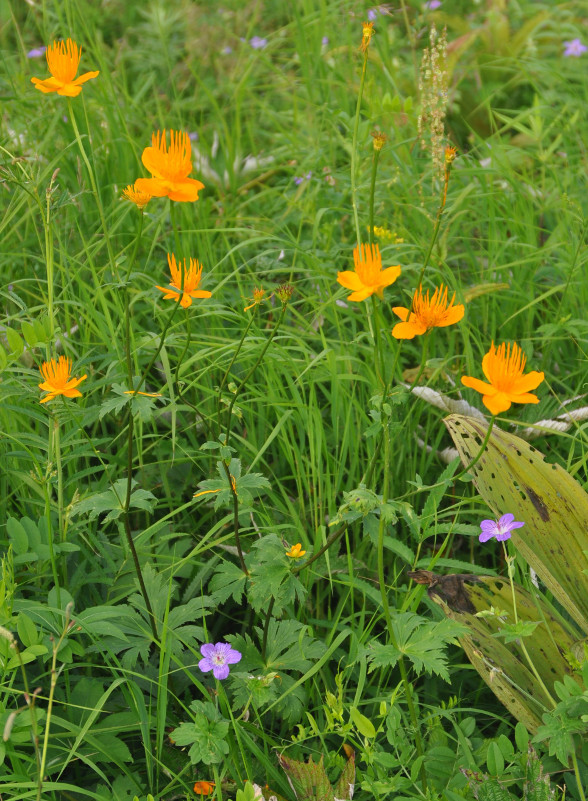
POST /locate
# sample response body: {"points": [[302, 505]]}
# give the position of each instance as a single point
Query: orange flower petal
{"points": [[405, 314], [500, 402], [361, 294], [452, 315], [186, 191], [389, 275], [47, 85], [350, 280], [479, 386], [408, 330], [153, 186], [527, 382], [87, 76]]}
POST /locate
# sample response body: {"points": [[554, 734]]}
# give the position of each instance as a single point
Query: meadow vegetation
{"points": [[293, 439]]}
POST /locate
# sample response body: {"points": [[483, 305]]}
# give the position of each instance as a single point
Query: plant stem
{"points": [[57, 449], [386, 608], [233, 489], [252, 370], [228, 370], [53, 684], [437, 226], [268, 617], [94, 187], [354, 148], [378, 355]]}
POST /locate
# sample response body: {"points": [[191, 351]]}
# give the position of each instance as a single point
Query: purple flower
{"points": [[431, 5], [372, 14], [227, 49], [574, 48], [299, 178], [500, 529], [217, 658], [325, 41], [36, 52], [257, 43]]}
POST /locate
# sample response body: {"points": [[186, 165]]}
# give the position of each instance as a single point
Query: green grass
{"points": [[512, 237]]}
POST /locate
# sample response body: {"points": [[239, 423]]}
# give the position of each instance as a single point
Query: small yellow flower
{"points": [[386, 235], [63, 59], [368, 277], [192, 275], [296, 551], [427, 313], [258, 296], [450, 154], [503, 367], [170, 168], [380, 139], [136, 196], [57, 379], [367, 31]]}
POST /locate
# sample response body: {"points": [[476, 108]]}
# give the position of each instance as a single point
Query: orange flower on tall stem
{"points": [[57, 379], [191, 276], [170, 168], [503, 367], [368, 276], [427, 313], [63, 59], [136, 196]]}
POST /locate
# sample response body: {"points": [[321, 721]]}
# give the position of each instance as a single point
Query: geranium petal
{"points": [[233, 657], [506, 519], [220, 671]]}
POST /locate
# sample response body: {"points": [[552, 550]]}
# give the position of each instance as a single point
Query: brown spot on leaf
{"points": [[538, 503]]}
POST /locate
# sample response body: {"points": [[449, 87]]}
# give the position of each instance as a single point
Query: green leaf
{"points": [[15, 342], [228, 579], [512, 476], [363, 725], [206, 738], [27, 630], [112, 501], [421, 641], [18, 536], [495, 760], [511, 632], [309, 779]]}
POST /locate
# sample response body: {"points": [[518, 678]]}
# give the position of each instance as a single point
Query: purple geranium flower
{"points": [[36, 52], [372, 14], [431, 5], [574, 48], [325, 41], [257, 43], [498, 528], [217, 658]]}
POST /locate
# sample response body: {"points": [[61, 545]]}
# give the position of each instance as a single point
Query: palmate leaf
{"points": [[504, 667], [512, 476], [421, 641]]}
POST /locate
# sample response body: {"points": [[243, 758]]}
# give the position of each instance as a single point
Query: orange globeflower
{"points": [[368, 277], [57, 379], [204, 788], [170, 168], [427, 313], [63, 59], [503, 367], [191, 276], [136, 196]]}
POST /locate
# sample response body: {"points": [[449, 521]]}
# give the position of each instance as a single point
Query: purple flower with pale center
{"points": [[217, 658], [257, 43], [498, 528], [372, 14], [431, 5], [299, 178], [36, 52], [574, 48]]}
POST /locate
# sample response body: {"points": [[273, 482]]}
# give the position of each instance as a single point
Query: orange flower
{"points": [[296, 551], [192, 275], [367, 31], [136, 196], [170, 168], [57, 379], [503, 367], [427, 313], [369, 277], [258, 296], [63, 59], [204, 788]]}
